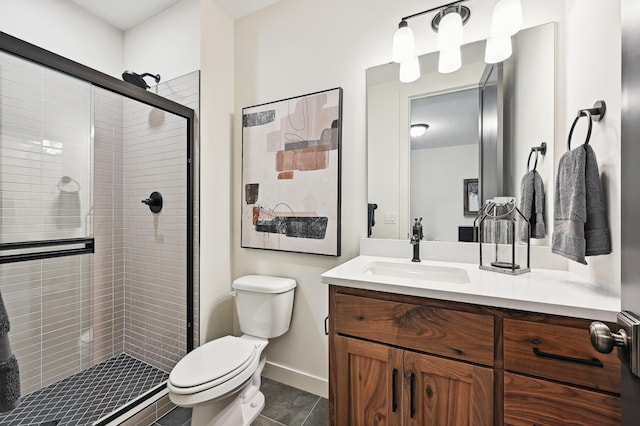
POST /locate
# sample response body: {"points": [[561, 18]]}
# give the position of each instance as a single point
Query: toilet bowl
{"points": [[220, 380]]}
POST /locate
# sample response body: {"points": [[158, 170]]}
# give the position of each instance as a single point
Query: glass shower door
{"points": [[45, 219]]}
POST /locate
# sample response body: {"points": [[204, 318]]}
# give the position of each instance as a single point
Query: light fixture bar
{"points": [[444, 6]]}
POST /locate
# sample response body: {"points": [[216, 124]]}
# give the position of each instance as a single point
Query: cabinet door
{"points": [[369, 380], [442, 392]]}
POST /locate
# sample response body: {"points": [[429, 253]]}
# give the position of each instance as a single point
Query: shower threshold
{"points": [[87, 396]]}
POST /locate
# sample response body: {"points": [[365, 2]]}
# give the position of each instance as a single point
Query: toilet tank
{"points": [[264, 304]]}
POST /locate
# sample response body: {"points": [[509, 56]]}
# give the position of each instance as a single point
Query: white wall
{"points": [[443, 207], [301, 46], [167, 44], [216, 106], [593, 72], [65, 29]]}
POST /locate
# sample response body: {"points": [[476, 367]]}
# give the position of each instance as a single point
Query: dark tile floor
{"points": [[86, 396], [284, 406]]}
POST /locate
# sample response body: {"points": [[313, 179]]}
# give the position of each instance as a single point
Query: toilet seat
{"points": [[227, 363]]}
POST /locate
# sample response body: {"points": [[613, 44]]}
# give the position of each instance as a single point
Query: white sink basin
{"points": [[417, 271]]}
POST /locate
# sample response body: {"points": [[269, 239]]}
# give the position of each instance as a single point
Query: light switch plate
{"points": [[391, 218]]}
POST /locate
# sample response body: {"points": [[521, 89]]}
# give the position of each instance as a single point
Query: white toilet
{"points": [[221, 379]]}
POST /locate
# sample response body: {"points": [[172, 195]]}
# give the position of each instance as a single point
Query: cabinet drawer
{"points": [[461, 335], [529, 401], [558, 352]]}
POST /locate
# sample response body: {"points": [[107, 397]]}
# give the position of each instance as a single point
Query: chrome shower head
{"points": [[138, 80]]}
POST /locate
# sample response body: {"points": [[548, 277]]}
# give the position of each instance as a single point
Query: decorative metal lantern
{"points": [[502, 234]]}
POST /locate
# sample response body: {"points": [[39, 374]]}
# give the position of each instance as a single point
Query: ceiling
{"points": [[437, 110], [126, 14]]}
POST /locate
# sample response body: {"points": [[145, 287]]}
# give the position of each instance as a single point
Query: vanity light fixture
{"points": [[410, 70], [418, 129], [448, 24], [404, 45], [506, 21]]}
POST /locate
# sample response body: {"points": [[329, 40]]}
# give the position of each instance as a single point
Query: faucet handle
{"points": [[417, 228]]}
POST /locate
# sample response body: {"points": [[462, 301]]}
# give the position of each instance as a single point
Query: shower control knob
{"points": [[154, 202], [603, 340]]}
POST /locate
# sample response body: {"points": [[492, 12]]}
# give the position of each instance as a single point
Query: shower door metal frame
{"points": [[38, 55]]}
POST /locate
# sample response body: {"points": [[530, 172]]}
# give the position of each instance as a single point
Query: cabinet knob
{"points": [[603, 340]]}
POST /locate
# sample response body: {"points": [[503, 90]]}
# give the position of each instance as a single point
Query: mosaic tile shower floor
{"points": [[88, 395]]}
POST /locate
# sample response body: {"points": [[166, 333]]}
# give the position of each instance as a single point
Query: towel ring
{"points": [[535, 164], [542, 149], [581, 113], [66, 180]]}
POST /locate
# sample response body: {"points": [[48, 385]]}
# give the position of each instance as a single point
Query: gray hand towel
{"points": [[67, 210], [532, 202], [9, 384], [9, 371], [580, 223], [596, 229]]}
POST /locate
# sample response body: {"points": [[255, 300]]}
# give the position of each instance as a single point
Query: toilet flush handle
{"points": [[233, 293]]}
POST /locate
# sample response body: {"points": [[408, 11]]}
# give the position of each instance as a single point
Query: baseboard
{"points": [[298, 379]]}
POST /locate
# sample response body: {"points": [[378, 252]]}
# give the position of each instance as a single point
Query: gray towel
{"points": [[580, 218], [532, 202], [67, 210], [9, 384], [4, 320], [9, 371]]}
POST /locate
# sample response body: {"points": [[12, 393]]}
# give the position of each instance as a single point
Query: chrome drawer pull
{"points": [[594, 362]]}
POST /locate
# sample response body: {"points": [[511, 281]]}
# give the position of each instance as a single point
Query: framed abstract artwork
{"points": [[471, 201], [291, 174]]}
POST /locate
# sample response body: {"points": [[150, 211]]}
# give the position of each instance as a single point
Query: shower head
{"points": [[138, 80]]}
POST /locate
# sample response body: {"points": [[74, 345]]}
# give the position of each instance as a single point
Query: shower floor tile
{"points": [[88, 395]]}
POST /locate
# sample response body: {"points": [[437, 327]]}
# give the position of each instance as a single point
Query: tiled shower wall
{"points": [[107, 334]]}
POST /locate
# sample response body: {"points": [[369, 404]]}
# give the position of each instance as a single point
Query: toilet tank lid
{"points": [[264, 284]]}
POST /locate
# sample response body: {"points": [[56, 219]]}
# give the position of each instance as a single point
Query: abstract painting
{"points": [[471, 201], [291, 174]]}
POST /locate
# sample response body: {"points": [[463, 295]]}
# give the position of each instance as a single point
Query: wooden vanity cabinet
{"points": [[405, 360], [387, 364]]}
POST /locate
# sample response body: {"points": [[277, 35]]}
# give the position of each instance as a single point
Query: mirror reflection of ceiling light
{"points": [[418, 130], [448, 22]]}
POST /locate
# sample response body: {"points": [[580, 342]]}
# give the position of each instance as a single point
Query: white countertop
{"points": [[541, 290]]}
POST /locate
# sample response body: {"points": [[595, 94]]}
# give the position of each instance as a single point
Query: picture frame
{"points": [[471, 198], [291, 174]]}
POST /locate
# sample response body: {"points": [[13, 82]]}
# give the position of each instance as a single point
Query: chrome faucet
{"points": [[416, 236]]}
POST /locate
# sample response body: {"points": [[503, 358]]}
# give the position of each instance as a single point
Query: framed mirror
{"points": [[481, 123]]}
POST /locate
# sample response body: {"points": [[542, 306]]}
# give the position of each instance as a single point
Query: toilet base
{"points": [[238, 408], [225, 412], [253, 409]]}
